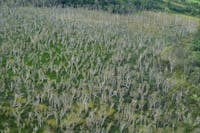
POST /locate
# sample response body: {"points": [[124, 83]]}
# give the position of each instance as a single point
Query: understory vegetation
{"points": [[77, 70]]}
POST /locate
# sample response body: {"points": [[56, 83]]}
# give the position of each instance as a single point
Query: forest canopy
{"points": [[117, 6]]}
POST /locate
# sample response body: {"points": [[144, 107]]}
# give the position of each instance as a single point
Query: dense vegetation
{"points": [[86, 71], [191, 7], [76, 70]]}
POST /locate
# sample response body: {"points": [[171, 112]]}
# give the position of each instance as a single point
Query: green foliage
{"points": [[190, 7]]}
